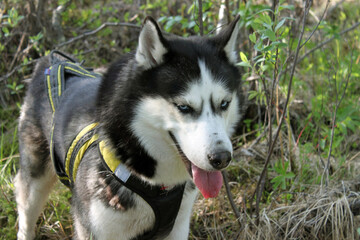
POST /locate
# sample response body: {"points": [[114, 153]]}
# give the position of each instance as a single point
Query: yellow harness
{"points": [[86, 138]]}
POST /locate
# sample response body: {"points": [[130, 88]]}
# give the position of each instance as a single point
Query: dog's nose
{"points": [[219, 160]]}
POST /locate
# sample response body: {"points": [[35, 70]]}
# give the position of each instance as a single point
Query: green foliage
{"points": [[284, 176], [320, 82], [8, 154], [268, 37]]}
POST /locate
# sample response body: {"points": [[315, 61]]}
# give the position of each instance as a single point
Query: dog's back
{"points": [[36, 175]]}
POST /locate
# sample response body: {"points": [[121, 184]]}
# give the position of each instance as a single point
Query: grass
{"points": [[8, 165]]}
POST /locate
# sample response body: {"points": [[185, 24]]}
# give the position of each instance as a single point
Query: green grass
{"points": [[8, 165]]}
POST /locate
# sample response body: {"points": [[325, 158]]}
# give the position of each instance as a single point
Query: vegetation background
{"points": [[296, 167]]}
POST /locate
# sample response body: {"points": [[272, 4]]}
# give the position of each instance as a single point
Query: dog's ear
{"points": [[226, 39], [152, 45]]}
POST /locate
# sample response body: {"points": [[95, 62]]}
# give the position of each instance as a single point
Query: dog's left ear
{"points": [[152, 45], [226, 40]]}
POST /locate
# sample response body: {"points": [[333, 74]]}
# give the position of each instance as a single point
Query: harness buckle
{"points": [[122, 173]]}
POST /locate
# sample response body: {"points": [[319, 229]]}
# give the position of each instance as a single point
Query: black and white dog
{"points": [[135, 144]]}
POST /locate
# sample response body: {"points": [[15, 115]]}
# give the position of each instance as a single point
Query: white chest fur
{"points": [[110, 224]]}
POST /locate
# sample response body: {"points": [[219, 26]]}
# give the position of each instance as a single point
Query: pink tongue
{"points": [[209, 183]]}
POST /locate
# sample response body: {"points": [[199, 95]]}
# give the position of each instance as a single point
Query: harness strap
{"points": [[164, 203], [55, 82], [77, 149]]}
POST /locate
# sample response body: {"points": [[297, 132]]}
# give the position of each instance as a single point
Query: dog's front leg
{"points": [[180, 230]]}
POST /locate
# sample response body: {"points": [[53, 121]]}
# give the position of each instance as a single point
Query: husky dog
{"points": [[160, 122]]}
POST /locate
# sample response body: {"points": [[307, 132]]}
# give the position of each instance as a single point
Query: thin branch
{"points": [[104, 25], [260, 185], [200, 18], [57, 31], [231, 200], [223, 16], [7, 199], [326, 170], [327, 41], [335, 6], [316, 27], [7, 158], [9, 74]]}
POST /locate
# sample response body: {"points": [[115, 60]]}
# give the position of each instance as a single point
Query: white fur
{"points": [[154, 116], [31, 197], [108, 224]]}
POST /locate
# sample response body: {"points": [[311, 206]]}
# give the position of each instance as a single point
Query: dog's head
{"points": [[185, 103], [194, 100]]}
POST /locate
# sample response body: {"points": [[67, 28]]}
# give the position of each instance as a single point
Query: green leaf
{"points": [[289, 175], [252, 37], [260, 60], [126, 16], [267, 20], [264, 10], [290, 7], [277, 181], [270, 34], [244, 64], [252, 94], [279, 25], [5, 30], [243, 57], [268, 48]]}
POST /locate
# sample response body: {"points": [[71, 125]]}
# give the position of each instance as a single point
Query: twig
{"points": [[18, 50], [231, 200], [347, 163], [334, 7], [327, 41], [104, 25], [260, 184], [321, 45], [201, 24], [56, 20], [223, 16], [326, 170], [7, 199], [316, 27], [9, 74], [7, 158]]}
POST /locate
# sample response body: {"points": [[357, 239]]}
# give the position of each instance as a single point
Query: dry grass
{"points": [[314, 212], [326, 214]]}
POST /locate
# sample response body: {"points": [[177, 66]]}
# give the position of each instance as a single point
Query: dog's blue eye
{"points": [[224, 105], [184, 108]]}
